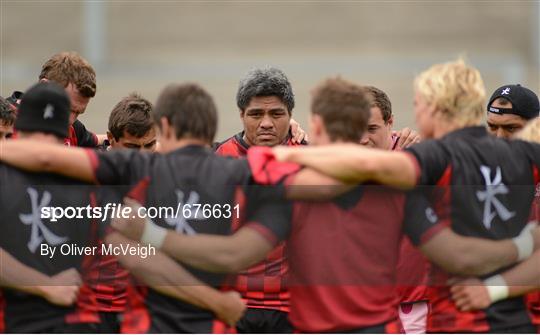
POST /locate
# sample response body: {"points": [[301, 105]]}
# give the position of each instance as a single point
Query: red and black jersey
{"points": [[264, 284], [107, 280], [343, 255], [79, 136], [103, 275], [412, 273], [533, 299], [412, 268], [192, 176], [24, 200], [484, 187]]}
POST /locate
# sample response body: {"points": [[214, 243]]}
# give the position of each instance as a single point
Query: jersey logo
{"points": [[505, 91], [179, 221], [493, 187], [48, 113], [39, 230], [431, 216]]}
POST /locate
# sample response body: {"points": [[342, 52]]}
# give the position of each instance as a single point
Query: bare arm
{"points": [[354, 164], [469, 256], [473, 294], [167, 277], [37, 156], [218, 253], [524, 277], [60, 289]]}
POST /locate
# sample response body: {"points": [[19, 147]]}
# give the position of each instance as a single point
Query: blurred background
{"points": [[143, 45]]}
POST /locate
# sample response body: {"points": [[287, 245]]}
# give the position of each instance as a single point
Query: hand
{"points": [[536, 237], [132, 227], [63, 288], [407, 137], [298, 134], [230, 308], [470, 294]]}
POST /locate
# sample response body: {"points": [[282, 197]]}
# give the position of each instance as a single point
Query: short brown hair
{"points": [[502, 101], [344, 108], [7, 113], [132, 114], [189, 109], [69, 67], [380, 99]]}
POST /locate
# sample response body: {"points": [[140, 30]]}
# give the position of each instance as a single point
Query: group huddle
{"points": [[353, 227]]}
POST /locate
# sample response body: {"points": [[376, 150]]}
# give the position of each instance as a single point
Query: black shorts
{"points": [[264, 321]]}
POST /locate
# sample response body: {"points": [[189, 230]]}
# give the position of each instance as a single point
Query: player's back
{"points": [[343, 255], [190, 190], [484, 188], [31, 233]]}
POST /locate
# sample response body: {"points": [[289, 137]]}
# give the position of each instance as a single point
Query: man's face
{"points": [[128, 141], [6, 130], [504, 125], [379, 133], [423, 113], [78, 102], [266, 121]]}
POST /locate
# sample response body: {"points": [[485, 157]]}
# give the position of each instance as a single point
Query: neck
{"points": [[182, 143], [443, 128], [42, 137]]}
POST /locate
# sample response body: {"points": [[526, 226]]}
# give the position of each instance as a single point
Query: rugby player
{"points": [[510, 108]]}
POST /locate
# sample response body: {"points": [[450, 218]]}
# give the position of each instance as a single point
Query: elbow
{"points": [[230, 263], [44, 162], [130, 263]]}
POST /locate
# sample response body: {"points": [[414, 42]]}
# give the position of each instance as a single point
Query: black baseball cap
{"points": [[44, 107], [524, 101]]}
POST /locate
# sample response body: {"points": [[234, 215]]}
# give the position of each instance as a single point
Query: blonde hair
{"points": [[531, 132], [456, 90]]}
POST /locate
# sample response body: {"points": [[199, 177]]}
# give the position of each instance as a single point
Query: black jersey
{"points": [[30, 234], [203, 191], [481, 186]]}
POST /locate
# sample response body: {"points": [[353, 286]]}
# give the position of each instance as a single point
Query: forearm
{"points": [[469, 256], [485, 256], [36, 156], [166, 276], [16, 275], [169, 278], [524, 277], [342, 162], [216, 253], [355, 164]]}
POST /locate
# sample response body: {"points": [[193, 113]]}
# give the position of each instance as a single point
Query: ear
{"points": [[167, 132], [317, 125], [110, 137], [433, 111], [391, 121], [43, 80], [241, 113]]}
